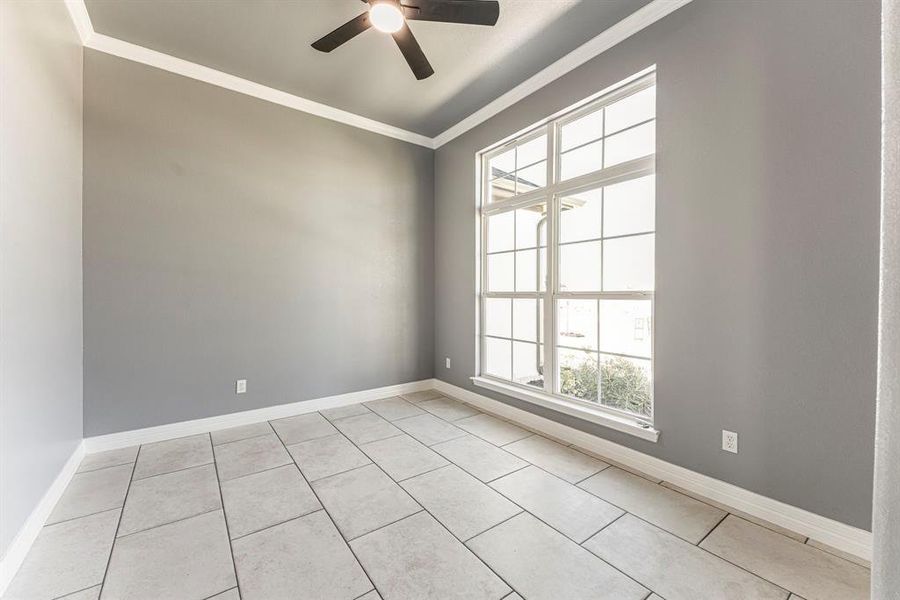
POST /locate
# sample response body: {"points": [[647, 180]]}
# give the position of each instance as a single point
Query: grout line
{"points": [[200, 514], [394, 522], [251, 437], [120, 507], [119, 523], [83, 471], [423, 472], [287, 464], [225, 519], [714, 527], [223, 591], [521, 510], [174, 471], [74, 592], [254, 532], [330, 518]]}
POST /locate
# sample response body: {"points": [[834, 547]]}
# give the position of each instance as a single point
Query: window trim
{"points": [[550, 194]]}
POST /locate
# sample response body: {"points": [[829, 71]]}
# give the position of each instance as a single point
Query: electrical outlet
{"points": [[447, 362], [729, 441], [240, 387]]}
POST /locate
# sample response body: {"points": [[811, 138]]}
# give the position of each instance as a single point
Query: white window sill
{"points": [[613, 421]]}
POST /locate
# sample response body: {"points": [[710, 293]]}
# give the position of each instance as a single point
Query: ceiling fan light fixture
{"points": [[386, 17]]}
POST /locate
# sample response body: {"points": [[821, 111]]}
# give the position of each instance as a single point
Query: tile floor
{"points": [[412, 497]]}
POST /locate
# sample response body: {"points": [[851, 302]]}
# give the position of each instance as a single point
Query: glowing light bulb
{"points": [[386, 17]]}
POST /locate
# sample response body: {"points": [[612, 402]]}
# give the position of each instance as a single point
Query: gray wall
{"points": [[40, 254], [885, 574], [767, 242], [226, 237]]}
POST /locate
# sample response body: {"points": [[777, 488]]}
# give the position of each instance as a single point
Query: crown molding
{"points": [[643, 17], [633, 23]]}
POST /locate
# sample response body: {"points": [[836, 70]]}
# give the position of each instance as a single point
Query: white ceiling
{"points": [[267, 41]]}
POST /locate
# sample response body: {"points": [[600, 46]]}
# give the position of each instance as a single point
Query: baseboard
{"points": [[20, 546], [183, 428], [834, 533]]}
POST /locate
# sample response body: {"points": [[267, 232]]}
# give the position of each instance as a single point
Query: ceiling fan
{"points": [[390, 16]]}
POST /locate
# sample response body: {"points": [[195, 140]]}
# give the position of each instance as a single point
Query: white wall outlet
{"points": [[240, 387], [729, 441], [447, 362]]}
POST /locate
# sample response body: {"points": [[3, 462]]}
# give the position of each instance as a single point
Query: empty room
{"points": [[435, 299]]}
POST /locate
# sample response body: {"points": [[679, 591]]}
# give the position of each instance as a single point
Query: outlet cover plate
{"points": [[729, 441], [240, 386]]}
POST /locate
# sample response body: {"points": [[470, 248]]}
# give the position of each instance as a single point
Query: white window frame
{"points": [[592, 411]]}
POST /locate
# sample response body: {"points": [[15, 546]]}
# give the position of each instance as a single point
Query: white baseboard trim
{"points": [[20, 546], [170, 431], [834, 533]]}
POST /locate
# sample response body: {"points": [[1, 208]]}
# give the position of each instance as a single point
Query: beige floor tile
{"points": [[416, 397], [65, 558], [293, 430], [418, 558], [448, 409], [252, 455], [110, 458], [327, 456], [429, 429], [161, 499], [674, 568], [570, 510], [362, 429], [92, 492], [393, 408], [305, 557], [800, 568], [402, 457], [540, 562], [363, 500], [342, 412], [562, 461], [479, 458], [460, 502], [264, 499], [185, 559], [173, 455], [233, 434], [676, 513], [492, 429]]}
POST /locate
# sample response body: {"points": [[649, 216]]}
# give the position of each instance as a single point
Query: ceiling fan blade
{"points": [[470, 12], [343, 34], [412, 52]]}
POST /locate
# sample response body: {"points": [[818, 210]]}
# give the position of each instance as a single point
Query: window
{"points": [[567, 257]]}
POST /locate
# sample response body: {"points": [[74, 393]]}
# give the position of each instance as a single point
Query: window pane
{"points": [[631, 110], [503, 188], [502, 164], [500, 272], [625, 327], [633, 143], [528, 221], [528, 319], [625, 384], [579, 217], [579, 267], [578, 374], [500, 232], [497, 317], [498, 357], [527, 270], [527, 364], [531, 178], [629, 207], [580, 131], [576, 322], [531, 152], [628, 264], [583, 160]]}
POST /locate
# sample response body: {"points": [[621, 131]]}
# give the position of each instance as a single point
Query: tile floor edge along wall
{"points": [[834, 533]]}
